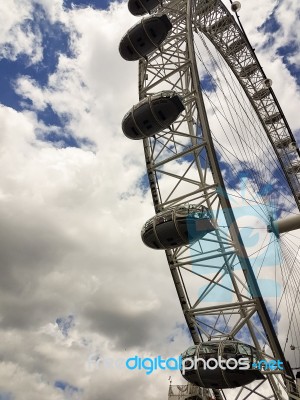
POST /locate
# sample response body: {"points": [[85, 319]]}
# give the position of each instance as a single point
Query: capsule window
{"points": [[153, 34], [191, 351], [188, 363], [164, 218], [171, 241], [185, 354], [155, 245], [140, 41], [160, 220], [163, 101], [210, 348], [255, 357], [245, 350], [150, 238], [148, 227], [137, 4], [147, 124], [162, 116], [135, 131], [229, 348], [168, 217], [129, 48]]}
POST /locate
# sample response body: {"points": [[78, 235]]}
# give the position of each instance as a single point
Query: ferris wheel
{"points": [[224, 173]]}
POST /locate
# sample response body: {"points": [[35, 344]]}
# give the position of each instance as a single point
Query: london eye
{"points": [[224, 172]]}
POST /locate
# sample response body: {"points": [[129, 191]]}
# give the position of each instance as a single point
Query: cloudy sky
{"points": [[78, 289]]}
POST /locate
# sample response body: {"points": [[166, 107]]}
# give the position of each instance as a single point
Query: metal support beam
{"points": [[284, 225]]}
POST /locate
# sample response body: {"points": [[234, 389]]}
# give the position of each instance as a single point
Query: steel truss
{"points": [[185, 154]]}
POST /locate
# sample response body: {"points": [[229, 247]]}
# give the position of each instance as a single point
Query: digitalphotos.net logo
{"points": [[150, 364]]}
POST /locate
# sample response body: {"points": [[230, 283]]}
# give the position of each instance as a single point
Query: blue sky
{"points": [[271, 26], [55, 41], [98, 4]]}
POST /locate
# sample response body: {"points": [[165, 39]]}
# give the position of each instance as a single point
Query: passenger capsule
{"points": [[285, 143], [205, 7], [249, 70], [221, 25], [142, 7], [268, 83], [144, 37], [152, 115], [273, 119], [294, 168], [225, 359], [180, 226], [236, 6], [236, 47], [261, 94]]}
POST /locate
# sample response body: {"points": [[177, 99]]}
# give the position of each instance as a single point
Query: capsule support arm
{"points": [[284, 225]]}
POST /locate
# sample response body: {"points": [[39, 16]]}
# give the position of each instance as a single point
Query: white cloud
{"points": [[69, 243], [16, 35]]}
